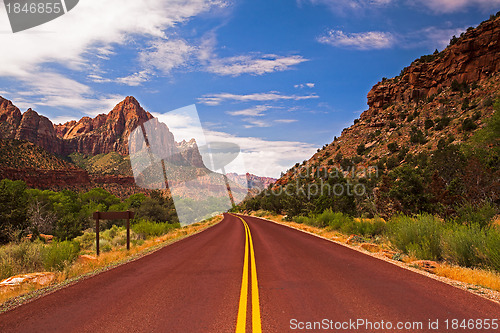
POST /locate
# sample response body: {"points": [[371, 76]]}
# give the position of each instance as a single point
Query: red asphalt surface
{"points": [[194, 286]]}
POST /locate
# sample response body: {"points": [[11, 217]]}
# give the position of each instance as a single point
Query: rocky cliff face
{"points": [[40, 131], [104, 133], [29, 126], [189, 151], [91, 136], [472, 58], [101, 145], [10, 118], [445, 97]]}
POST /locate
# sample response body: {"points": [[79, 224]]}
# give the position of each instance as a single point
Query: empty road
{"points": [[248, 274]]}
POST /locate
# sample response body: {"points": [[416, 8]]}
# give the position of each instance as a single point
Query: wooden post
{"points": [[96, 217], [112, 216], [128, 229]]}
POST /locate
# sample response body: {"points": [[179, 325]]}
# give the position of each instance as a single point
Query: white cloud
{"points": [[432, 37], [253, 64], [261, 157], [92, 29], [264, 157], [256, 111], [341, 6], [56, 90], [93, 26], [134, 79], [438, 6], [304, 85], [448, 6], [286, 121], [362, 41], [165, 55], [216, 99], [61, 119], [256, 123]]}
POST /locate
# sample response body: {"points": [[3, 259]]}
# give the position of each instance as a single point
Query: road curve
{"points": [[245, 274]]}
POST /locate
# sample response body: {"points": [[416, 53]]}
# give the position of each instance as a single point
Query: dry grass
{"points": [[323, 232], [106, 260], [475, 276]]}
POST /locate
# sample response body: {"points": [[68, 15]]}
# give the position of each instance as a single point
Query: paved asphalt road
{"points": [[250, 274]]}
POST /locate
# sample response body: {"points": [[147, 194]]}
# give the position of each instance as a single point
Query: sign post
{"points": [[112, 216]]}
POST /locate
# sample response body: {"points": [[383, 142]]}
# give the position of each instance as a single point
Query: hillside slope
{"points": [[444, 96], [429, 142]]}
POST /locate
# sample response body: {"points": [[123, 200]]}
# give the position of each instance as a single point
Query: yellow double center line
{"points": [[242, 309]]}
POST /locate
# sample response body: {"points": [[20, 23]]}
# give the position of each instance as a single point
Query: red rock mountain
{"points": [[472, 58], [443, 96], [90, 136], [104, 134]]}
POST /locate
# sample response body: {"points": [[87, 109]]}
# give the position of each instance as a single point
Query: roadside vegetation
{"points": [[439, 205], [441, 182], [67, 214], [467, 247], [73, 259], [43, 231]]}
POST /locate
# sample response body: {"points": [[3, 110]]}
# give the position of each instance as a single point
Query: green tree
{"points": [[13, 208]]}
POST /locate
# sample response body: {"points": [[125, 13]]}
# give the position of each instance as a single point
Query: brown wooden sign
{"points": [[112, 216]]}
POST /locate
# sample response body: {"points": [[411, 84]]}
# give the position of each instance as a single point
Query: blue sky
{"points": [[280, 78]]}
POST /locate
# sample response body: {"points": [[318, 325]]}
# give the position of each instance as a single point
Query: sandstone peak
{"points": [[102, 134], [129, 108]]}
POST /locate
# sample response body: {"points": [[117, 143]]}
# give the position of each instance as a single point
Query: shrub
{"points": [[392, 162], [87, 240], [393, 147], [361, 149], [466, 104], [419, 236], [301, 219], [442, 123], [417, 136], [429, 123], [468, 125], [455, 86], [363, 228], [111, 233], [24, 257], [346, 163], [146, 229], [464, 246], [60, 254], [479, 215], [104, 245], [488, 102], [326, 217], [493, 249]]}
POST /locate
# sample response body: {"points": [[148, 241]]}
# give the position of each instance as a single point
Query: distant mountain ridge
{"points": [[91, 149], [91, 136]]}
